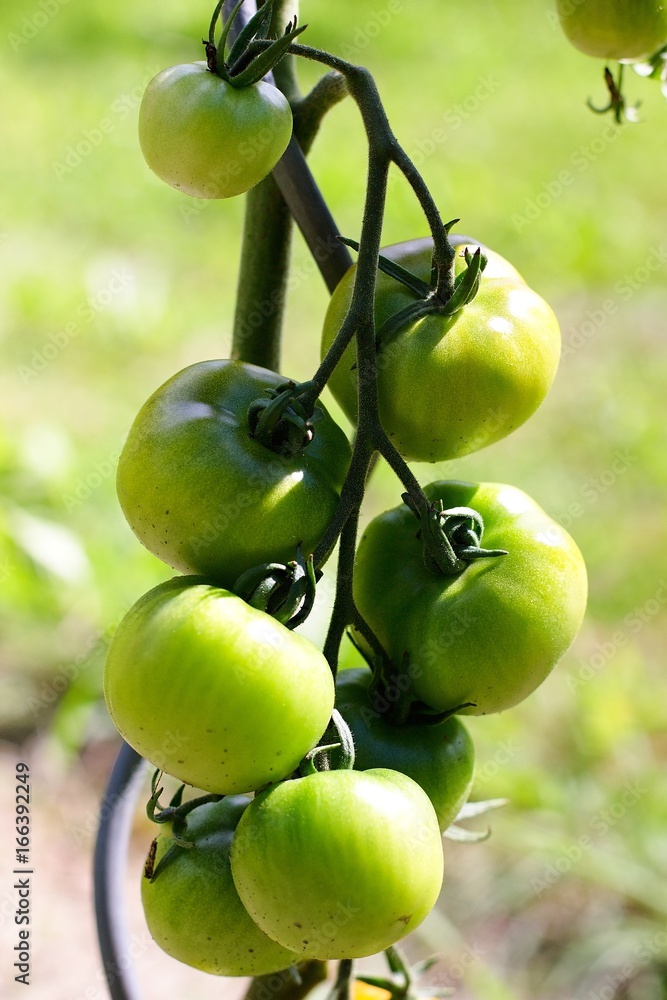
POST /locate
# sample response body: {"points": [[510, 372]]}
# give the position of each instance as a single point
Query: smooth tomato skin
{"points": [[208, 499], [440, 757], [491, 634], [615, 29], [339, 864], [192, 908], [207, 138], [212, 691], [450, 385]]}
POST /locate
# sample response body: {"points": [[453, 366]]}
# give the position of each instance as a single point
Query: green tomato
{"points": [[192, 908], [450, 385], [208, 499], [339, 864], [207, 138], [490, 634], [615, 29], [440, 757], [212, 691]]}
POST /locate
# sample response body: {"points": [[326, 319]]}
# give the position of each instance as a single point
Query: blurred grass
{"points": [[110, 282]]}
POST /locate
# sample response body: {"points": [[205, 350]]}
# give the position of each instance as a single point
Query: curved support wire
{"points": [[110, 861]]}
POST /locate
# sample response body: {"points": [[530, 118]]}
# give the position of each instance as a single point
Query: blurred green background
{"points": [[111, 282]]}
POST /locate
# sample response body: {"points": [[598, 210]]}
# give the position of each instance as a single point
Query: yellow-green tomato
{"points": [[438, 756], [191, 905], [339, 864], [626, 30], [490, 634], [212, 691], [206, 497], [450, 385], [208, 138]]}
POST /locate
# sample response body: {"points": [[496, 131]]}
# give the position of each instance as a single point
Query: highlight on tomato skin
{"points": [[624, 30]]}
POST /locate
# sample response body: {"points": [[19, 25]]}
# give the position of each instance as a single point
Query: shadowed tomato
{"points": [[192, 908]]}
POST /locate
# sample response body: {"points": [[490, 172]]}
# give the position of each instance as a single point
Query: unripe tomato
{"points": [[212, 691], [626, 30], [207, 498], [440, 757], [490, 634], [207, 138], [339, 864], [450, 385], [192, 908]]}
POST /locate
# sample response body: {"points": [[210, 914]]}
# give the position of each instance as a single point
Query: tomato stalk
{"points": [[268, 223]]}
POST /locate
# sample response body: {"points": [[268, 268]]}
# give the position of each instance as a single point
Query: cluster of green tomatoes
{"points": [[296, 852]]}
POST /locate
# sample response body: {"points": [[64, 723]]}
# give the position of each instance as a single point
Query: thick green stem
{"points": [[260, 301]]}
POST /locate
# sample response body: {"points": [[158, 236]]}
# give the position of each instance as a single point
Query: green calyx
{"points": [[284, 591], [284, 422], [175, 813], [451, 538], [446, 295], [248, 59]]}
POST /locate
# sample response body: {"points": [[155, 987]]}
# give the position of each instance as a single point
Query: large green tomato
{"points": [[192, 908], [615, 29], [212, 691], [339, 864], [490, 634], [450, 385], [440, 757], [207, 138], [204, 496]]}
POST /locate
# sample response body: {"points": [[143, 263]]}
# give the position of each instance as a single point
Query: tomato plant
{"points": [[451, 384], [207, 138], [440, 757], [204, 495], [626, 30], [488, 634], [194, 675], [192, 908], [339, 864], [462, 600]]}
